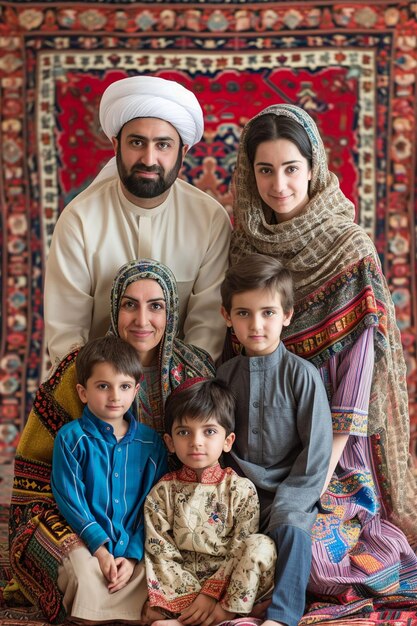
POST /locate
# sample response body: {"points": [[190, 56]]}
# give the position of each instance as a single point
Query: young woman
{"points": [[144, 312], [289, 205]]}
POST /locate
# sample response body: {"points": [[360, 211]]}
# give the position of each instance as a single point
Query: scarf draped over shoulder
{"points": [[339, 290], [39, 537]]}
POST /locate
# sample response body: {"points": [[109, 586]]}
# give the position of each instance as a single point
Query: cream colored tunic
{"points": [[100, 230], [201, 537]]}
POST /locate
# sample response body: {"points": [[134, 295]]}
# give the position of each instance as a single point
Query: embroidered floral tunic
{"points": [[201, 538]]}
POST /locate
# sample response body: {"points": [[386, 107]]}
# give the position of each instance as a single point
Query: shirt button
{"points": [[256, 405], [122, 543], [119, 449], [255, 431], [108, 428], [116, 475], [116, 501]]}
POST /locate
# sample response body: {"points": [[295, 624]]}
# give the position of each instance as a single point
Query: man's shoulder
{"points": [[181, 187], [91, 194]]}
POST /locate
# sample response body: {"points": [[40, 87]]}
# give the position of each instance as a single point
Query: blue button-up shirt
{"points": [[100, 484]]}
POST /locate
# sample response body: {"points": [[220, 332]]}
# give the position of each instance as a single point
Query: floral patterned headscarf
{"points": [[177, 361]]}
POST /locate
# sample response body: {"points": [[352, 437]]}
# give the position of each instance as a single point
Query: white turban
{"points": [[150, 96]]}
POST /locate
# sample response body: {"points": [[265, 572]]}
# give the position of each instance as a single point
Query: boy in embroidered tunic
{"points": [[204, 562], [283, 423], [103, 466]]}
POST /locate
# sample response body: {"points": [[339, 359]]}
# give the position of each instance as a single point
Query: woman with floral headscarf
{"points": [[170, 361], [289, 205], [144, 312]]}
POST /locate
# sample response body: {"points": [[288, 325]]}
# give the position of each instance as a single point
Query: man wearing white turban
{"points": [[138, 207]]}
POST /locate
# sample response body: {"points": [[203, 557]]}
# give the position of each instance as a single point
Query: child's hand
{"points": [[125, 569], [107, 564], [198, 611], [218, 615]]}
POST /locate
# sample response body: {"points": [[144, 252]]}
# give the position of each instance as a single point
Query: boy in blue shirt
{"points": [[283, 423], [103, 466]]}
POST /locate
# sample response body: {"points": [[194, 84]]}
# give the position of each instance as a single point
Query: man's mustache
{"points": [[157, 169]]}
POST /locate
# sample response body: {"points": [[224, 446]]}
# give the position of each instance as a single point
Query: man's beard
{"points": [[145, 187]]}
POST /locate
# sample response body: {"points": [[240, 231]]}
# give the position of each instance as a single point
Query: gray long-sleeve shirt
{"points": [[283, 433]]}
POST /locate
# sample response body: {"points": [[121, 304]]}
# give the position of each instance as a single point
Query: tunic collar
{"points": [[210, 476], [260, 363], [97, 428]]}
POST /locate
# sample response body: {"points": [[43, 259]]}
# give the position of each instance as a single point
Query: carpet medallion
{"points": [[352, 66]]}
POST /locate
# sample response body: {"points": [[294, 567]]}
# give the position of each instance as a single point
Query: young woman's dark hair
{"points": [[271, 127]]}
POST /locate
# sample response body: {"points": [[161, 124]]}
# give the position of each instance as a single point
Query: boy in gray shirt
{"points": [[283, 423]]}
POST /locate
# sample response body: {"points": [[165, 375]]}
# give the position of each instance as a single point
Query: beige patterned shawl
{"points": [[320, 246]]}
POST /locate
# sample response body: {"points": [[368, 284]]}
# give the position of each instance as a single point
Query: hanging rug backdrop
{"points": [[352, 66]]}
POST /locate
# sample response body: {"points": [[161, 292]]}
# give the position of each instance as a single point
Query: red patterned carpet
{"points": [[352, 65]]}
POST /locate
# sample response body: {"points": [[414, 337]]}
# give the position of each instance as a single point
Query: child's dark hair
{"points": [[201, 400], [120, 354], [269, 127], [258, 271]]}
